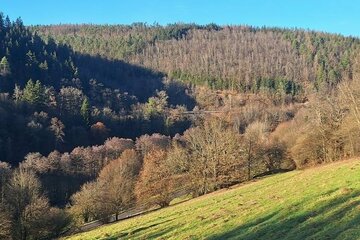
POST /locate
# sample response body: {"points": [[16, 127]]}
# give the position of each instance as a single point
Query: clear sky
{"points": [[336, 16]]}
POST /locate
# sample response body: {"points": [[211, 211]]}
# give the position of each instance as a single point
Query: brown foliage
{"points": [[214, 156], [320, 141], [31, 215], [115, 146], [118, 181], [85, 204], [111, 193], [156, 184], [99, 131], [147, 143]]}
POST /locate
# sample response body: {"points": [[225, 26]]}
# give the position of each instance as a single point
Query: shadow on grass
{"points": [[132, 233], [328, 219]]}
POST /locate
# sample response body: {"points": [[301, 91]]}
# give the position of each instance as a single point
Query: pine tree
{"points": [[1, 21], [44, 66], [4, 66], [34, 93], [7, 23], [85, 110]]}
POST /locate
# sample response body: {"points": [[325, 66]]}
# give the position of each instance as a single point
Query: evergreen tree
{"points": [[44, 66], [4, 66], [85, 110], [34, 93], [1, 21], [7, 23]]}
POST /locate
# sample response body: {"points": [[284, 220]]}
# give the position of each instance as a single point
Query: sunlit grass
{"points": [[318, 203]]}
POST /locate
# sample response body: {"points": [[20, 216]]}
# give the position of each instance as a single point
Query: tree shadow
{"points": [[65, 67], [137, 80], [297, 223], [134, 79], [134, 233]]}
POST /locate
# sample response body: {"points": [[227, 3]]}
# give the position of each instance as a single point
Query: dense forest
{"points": [[98, 119], [53, 98], [242, 58]]}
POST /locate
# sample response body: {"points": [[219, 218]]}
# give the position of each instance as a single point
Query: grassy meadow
{"points": [[317, 203]]}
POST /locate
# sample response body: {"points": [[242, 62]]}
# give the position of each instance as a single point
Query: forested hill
{"points": [[25, 56], [53, 98], [107, 118], [242, 58]]}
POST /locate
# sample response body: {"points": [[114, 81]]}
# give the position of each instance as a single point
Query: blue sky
{"points": [[336, 16]]}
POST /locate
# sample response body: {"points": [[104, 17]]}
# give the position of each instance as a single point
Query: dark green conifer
{"points": [[85, 110]]}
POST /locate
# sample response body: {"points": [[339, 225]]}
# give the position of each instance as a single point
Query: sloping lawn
{"points": [[318, 203]]}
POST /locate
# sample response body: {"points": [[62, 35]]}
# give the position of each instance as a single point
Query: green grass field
{"points": [[318, 203]]}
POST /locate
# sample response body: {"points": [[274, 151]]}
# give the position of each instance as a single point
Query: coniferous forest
{"points": [[99, 119]]}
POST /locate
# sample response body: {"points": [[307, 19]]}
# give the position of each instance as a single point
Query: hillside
{"points": [[96, 120], [244, 58], [317, 203], [41, 80]]}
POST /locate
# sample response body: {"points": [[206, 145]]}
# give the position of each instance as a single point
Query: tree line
{"points": [[122, 173]]}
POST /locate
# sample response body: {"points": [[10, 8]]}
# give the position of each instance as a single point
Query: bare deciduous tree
{"points": [[5, 223], [254, 138], [156, 184], [118, 180], [214, 153], [29, 208]]}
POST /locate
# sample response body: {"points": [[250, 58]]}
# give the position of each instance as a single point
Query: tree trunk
{"points": [[249, 162]]}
